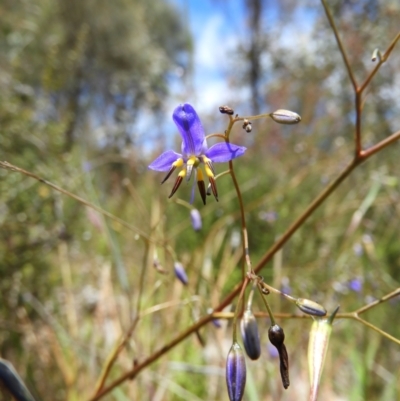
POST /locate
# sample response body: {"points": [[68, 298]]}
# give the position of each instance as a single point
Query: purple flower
{"points": [[195, 153], [196, 219], [180, 273], [356, 285]]}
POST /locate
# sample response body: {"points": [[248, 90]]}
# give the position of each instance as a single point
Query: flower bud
{"points": [[317, 347], [235, 373], [195, 217], [226, 110], [310, 307], [285, 117], [276, 335], [12, 382], [250, 335], [376, 55], [180, 273]]}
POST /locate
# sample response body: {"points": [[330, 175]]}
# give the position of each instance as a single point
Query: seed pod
{"points": [[235, 373], [226, 110], [310, 307], [250, 335], [285, 117], [248, 127], [277, 336], [317, 347], [180, 273]]}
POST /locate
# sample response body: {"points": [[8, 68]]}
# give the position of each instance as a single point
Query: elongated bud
{"points": [[196, 219], [180, 273], [310, 307], [235, 373], [10, 380], [285, 117], [250, 335], [277, 336], [317, 347], [376, 55]]}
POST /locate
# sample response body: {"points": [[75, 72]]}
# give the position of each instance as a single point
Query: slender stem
{"points": [[251, 296], [10, 167], [377, 329], [152, 358], [270, 314], [365, 154], [340, 45], [242, 219], [221, 136], [357, 130], [235, 316], [257, 117], [385, 298], [226, 172]]}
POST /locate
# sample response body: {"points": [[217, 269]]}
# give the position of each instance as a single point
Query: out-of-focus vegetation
{"points": [[74, 78]]}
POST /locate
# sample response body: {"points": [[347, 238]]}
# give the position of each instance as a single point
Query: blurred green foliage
{"points": [[71, 280]]}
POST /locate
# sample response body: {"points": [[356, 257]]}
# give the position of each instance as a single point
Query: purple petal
{"points": [[164, 161], [223, 152], [191, 130]]}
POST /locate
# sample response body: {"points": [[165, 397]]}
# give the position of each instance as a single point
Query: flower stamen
{"points": [[201, 185], [178, 163], [178, 182]]}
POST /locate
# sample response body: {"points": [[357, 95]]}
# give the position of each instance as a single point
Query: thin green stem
{"points": [[377, 329], [271, 315], [235, 316]]}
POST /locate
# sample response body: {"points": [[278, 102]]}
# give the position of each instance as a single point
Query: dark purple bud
{"points": [[196, 219], [235, 373], [180, 273], [250, 335], [310, 307], [276, 335], [226, 110]]}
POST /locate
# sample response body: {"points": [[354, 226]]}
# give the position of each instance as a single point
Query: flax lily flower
{"points": [[195, 153]]}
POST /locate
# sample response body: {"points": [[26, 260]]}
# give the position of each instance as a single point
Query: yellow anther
{"points": [[178, 163], [200, 175], [209, 172]]}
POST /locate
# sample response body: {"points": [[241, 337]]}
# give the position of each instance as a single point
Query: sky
{"points": [[217, 28]]}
